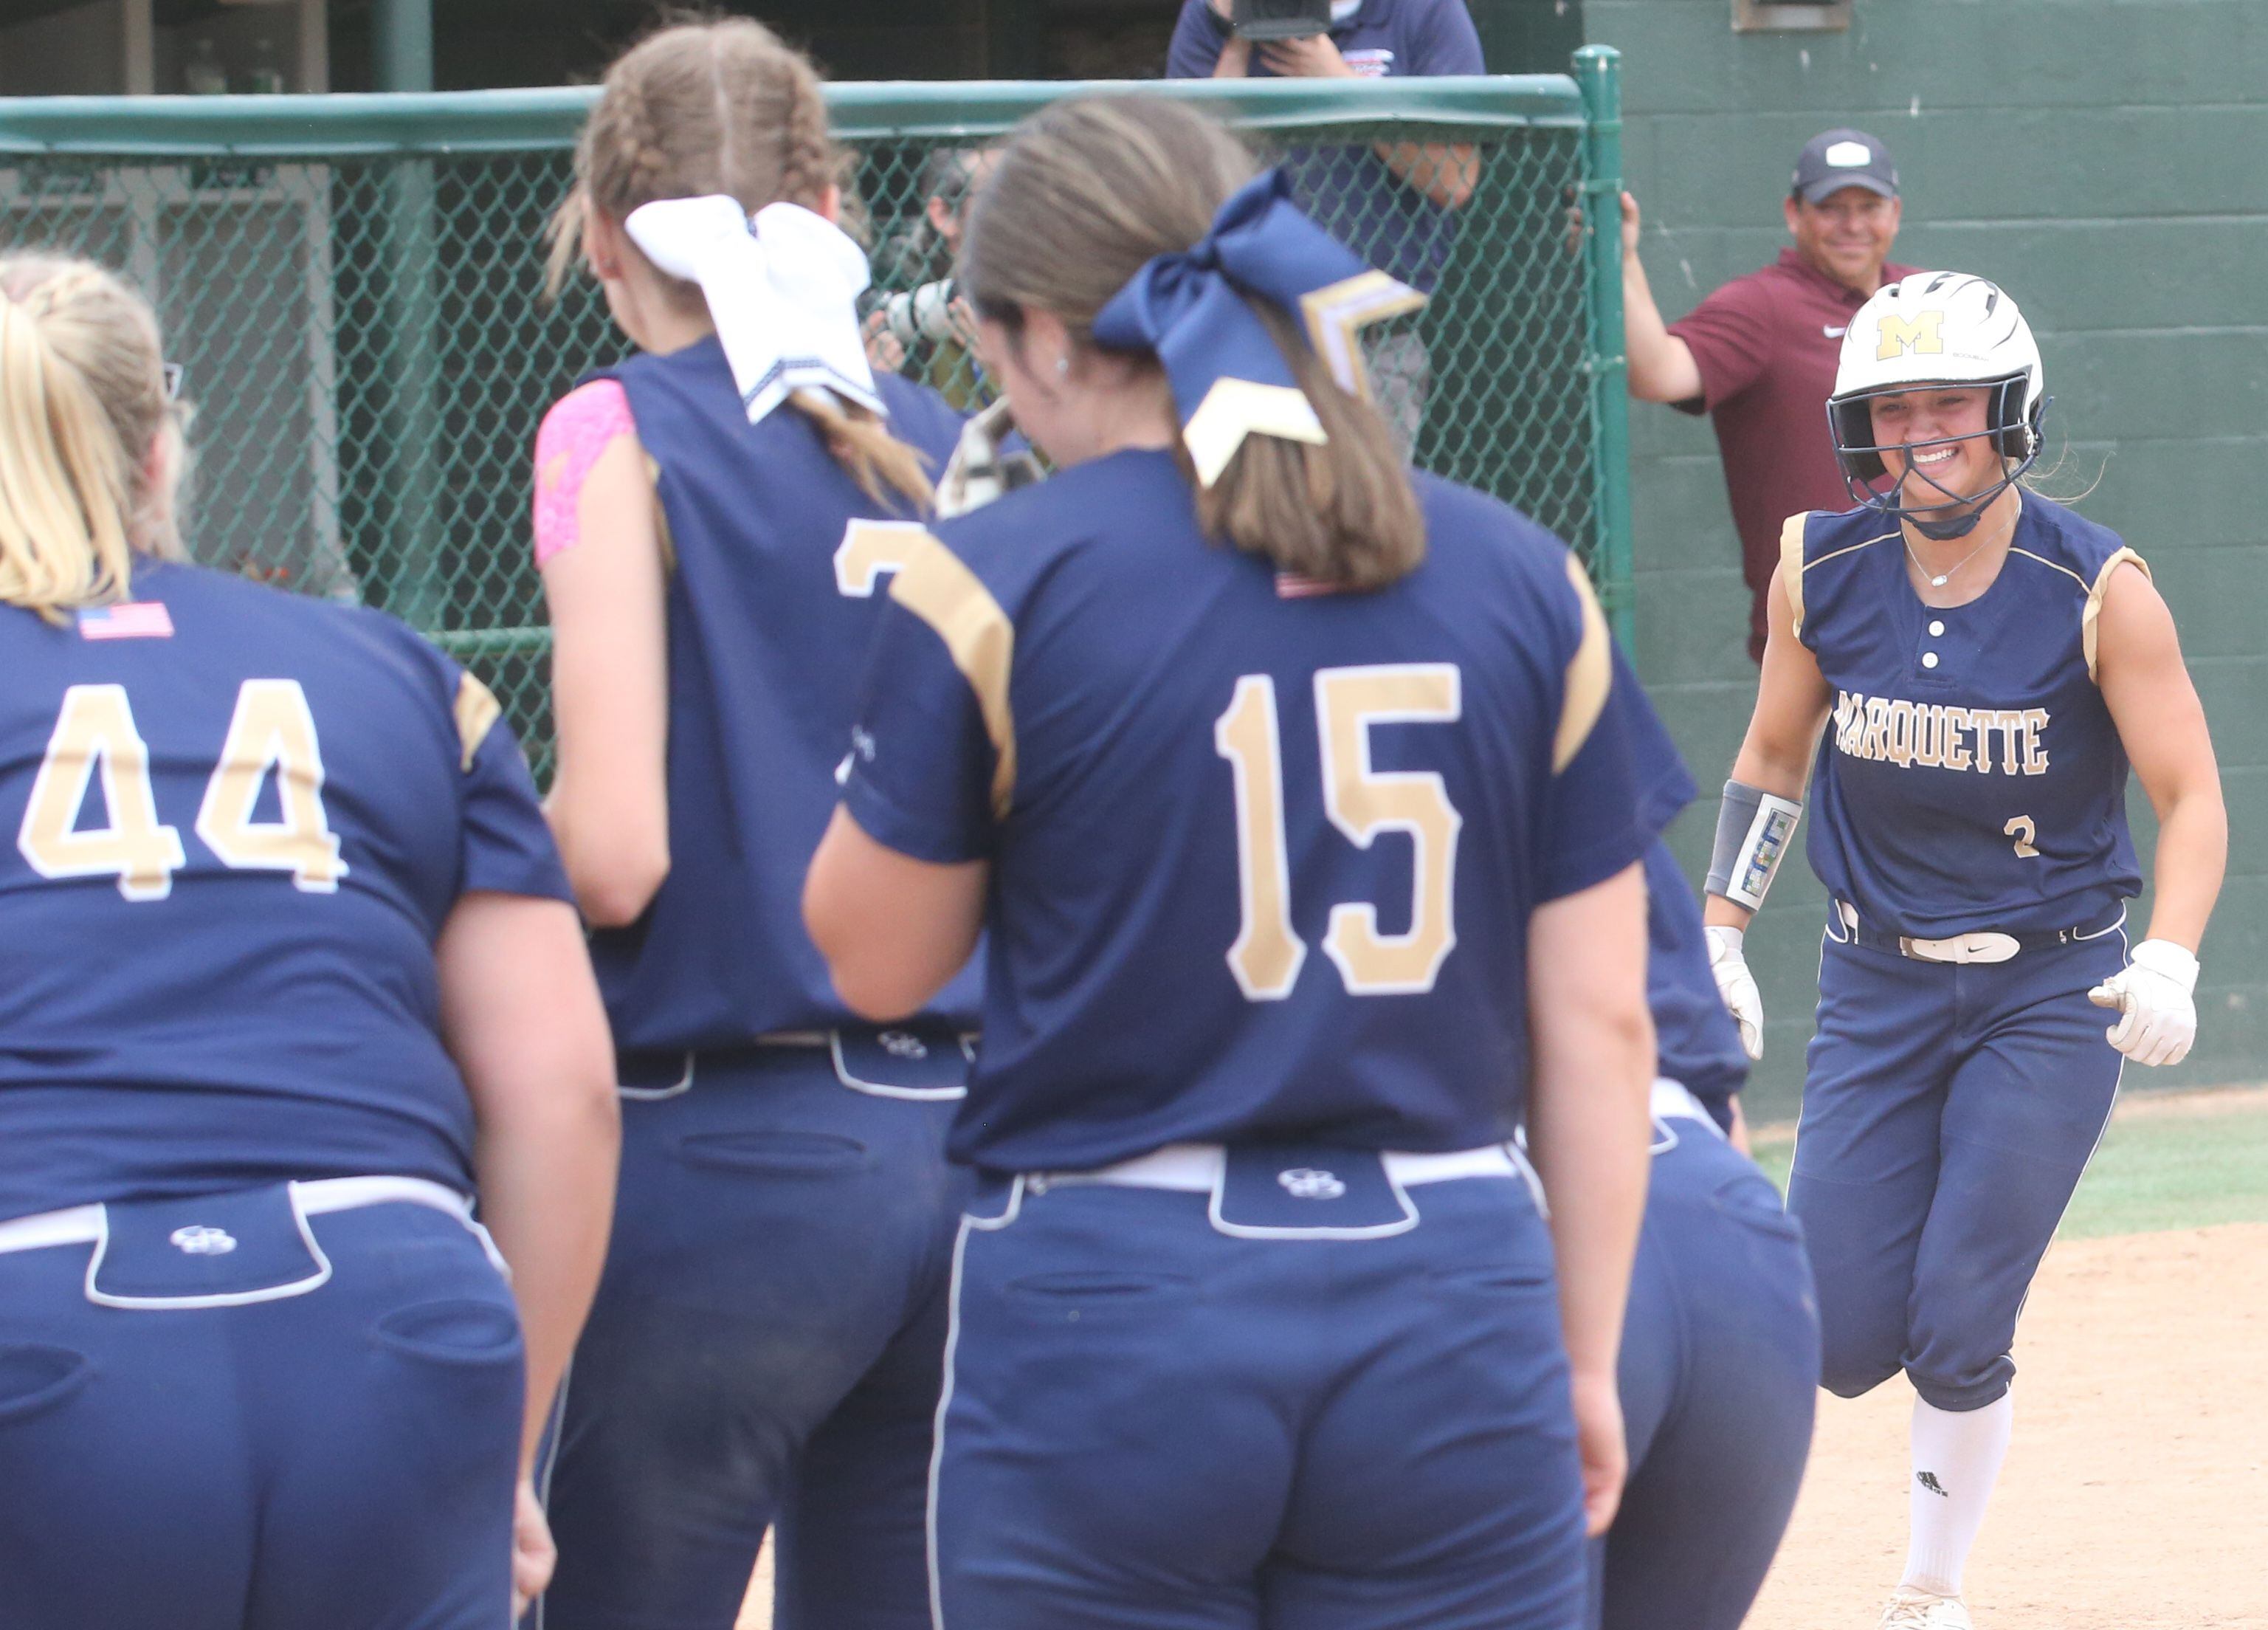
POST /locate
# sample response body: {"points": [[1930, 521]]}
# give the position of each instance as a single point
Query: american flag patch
{"points": [[1293, 585], [137, 619]]}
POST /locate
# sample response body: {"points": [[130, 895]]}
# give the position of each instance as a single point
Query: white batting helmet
{"points": [[1936, 328]]}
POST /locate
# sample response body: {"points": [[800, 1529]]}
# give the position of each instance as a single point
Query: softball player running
{"points": [[286, 974], [713, 518], [1721, 1346], [1987, 664], [1287, 786]]}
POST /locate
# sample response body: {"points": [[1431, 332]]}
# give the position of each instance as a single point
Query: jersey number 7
{"points": [[271, 731], [1361, 802]]}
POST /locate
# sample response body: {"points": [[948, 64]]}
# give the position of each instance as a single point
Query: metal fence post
{"points": [[402, 38], [1598, 73], [415, 587]]}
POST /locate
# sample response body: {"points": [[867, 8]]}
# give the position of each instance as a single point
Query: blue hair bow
{"points": [[1228, 378]]}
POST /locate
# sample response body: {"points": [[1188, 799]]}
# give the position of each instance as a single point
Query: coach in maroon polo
{"points": [[1759, 354]]}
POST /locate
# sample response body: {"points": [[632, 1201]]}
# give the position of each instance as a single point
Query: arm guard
{"points": [[1754, 830]]}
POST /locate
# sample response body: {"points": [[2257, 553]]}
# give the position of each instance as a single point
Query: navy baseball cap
{"points": [[1834, 159]]}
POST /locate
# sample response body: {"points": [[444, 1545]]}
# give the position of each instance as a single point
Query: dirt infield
{"points": [[2136, 1496]]}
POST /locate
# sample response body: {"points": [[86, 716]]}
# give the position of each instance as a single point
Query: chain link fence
{"points": [[354, 289]]}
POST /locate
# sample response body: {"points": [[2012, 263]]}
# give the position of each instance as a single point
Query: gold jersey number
{"points": [[1362, 802], [272, 733]]}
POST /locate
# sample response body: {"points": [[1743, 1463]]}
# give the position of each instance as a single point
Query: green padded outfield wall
{"points": [[2102, 160]]}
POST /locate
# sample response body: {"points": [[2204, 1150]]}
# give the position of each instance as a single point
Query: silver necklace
{"points": [[1937, 580]]}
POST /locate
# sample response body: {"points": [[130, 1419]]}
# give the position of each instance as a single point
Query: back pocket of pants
{"points": [[35, 1378], [1078, 1293], [453, 1332], [781, 1154]]}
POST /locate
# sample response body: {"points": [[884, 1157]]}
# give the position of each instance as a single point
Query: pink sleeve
{"points": [[581, 426]]}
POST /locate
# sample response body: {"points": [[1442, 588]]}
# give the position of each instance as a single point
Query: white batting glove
{"points": [[1736, 987], [2153, 992]]}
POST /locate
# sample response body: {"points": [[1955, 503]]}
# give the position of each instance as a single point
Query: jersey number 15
{"points": [[1362, 802], [271, 731]]}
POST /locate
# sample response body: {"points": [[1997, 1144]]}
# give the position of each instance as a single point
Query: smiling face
{"points": [[1907, 421], [1846, 235]]}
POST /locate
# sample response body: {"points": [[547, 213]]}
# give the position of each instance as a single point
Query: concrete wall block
{"points": [[2216, 594], [2086, 269]]}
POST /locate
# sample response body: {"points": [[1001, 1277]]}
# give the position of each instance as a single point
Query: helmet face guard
{"points": [[1934, 509]]}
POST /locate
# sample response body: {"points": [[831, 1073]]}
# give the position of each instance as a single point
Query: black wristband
{"points": [[1220, 28]]}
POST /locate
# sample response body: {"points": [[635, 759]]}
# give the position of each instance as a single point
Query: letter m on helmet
{"points": [[1923, 333]]}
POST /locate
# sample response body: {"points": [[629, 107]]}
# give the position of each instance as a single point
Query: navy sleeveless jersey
{"points": [[771, 604], [1969, 777], [1262, 858], [233, 822]]}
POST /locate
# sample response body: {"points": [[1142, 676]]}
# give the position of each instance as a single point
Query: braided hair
{"points": [[725, 107]]}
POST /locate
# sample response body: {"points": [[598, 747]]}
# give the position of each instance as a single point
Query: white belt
{"points": [[1197, 1168], [82, 1225], [1673, 1100], [1981, 944]]}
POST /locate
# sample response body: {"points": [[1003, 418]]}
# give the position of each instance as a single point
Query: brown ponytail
{"points": [[1088, 189], [724, 106], [83, 408]]}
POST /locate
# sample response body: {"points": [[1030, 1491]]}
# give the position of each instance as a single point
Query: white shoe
{"points": [[1918, 1610]]}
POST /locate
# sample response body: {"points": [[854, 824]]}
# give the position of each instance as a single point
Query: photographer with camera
{"points": [[922, 328], [1394, 203]]}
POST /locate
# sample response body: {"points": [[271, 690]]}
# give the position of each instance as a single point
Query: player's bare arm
{"points": [[1791, 703], [894, 929], [2161, 726], [1661, 366], [1591, 1070], [609, 803], [521, 1016]]}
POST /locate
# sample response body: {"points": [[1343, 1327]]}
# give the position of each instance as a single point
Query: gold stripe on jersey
{"points": [[1235, 408], [1337, 313], [1590, 672], [2088, 634], [1850, 548], [477, 712], [1931, 735], [1791, 567], [936, 586]]}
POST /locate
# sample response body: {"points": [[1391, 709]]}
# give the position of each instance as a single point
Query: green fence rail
{"points": [[354, 287]]}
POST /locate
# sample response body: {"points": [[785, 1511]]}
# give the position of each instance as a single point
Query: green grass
{"points": [[2187, 1169]]}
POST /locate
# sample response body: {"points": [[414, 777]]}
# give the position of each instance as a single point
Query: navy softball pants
{"points": [[766, 1348], [1949, 1111], [1719, 1376], [342, 1457], [1151, 1424]]}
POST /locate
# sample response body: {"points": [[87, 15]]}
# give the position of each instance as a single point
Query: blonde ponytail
{"points": [[83, 482], [864, 446]]}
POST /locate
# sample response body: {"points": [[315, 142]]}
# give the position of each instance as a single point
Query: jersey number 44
{"points": [[271, 733]]}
